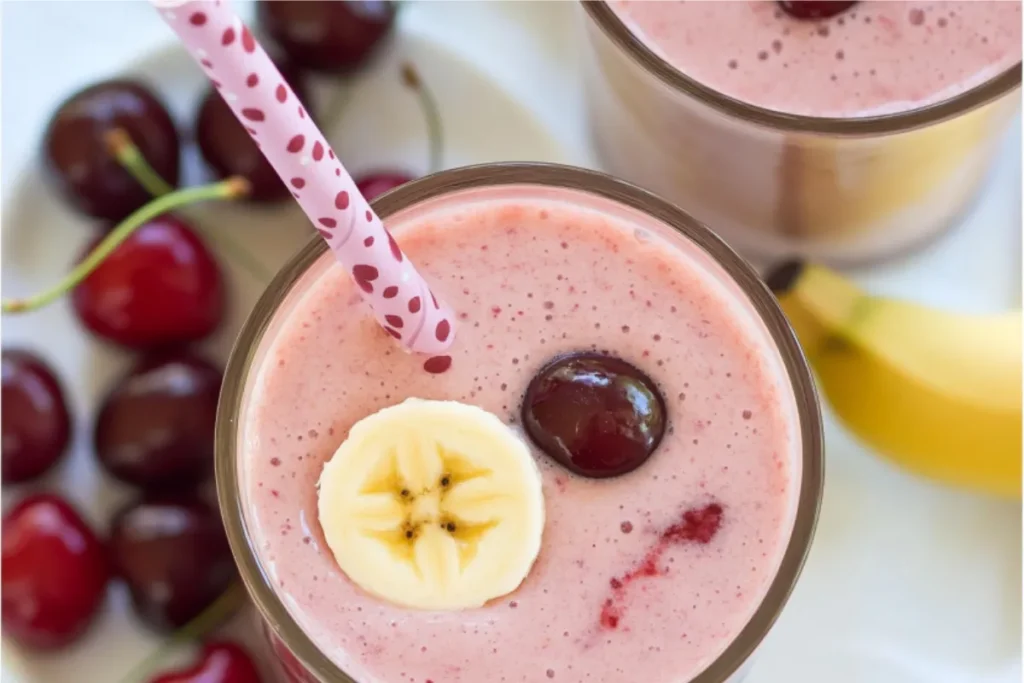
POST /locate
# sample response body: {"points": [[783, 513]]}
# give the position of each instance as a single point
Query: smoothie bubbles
{"points": [[616, 478], [844, 131]]}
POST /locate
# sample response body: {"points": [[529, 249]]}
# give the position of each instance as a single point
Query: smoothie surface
{"points": [[879, 57], [615, 594]]}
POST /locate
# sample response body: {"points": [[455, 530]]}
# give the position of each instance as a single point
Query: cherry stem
{"points": [[435, 131], [218, 612], [336, 107], [230, 188], [132, 160], [342, 95], [130, 157]]}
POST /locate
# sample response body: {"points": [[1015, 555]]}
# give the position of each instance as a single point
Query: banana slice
{"points": [[433, 505]]}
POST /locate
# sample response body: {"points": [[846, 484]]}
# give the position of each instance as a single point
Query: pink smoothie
{"points": [[876, 58], [634, 581]]}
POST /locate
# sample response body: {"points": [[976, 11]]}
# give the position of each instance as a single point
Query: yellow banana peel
{"points": [[936, 392]]}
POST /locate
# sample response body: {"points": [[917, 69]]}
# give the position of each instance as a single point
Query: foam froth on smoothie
{"points": [[878, 57], [645, 577]]}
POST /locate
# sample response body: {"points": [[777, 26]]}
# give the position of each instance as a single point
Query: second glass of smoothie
{"points": [[670, 573], [842, 131]]}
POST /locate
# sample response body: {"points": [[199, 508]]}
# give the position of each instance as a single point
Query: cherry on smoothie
{"points": [[171, 551], [79, 161], [373, 185], [815, 9], [218, 662], [597, 415], [155, 428], [54, 576], [160, 287], [229, 149], [329, 36], [36, 425]]}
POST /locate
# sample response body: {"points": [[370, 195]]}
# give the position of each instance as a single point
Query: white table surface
{"points": [[907, 582]]}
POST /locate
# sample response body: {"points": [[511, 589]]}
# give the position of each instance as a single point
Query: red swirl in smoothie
{"points": [[645, 576]]}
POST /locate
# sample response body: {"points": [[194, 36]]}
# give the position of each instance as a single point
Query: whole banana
{"points": [[937, 392]]}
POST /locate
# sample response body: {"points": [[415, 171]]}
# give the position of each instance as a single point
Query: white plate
{"points": [[907, 582]]}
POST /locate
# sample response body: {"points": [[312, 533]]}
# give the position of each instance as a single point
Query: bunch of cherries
{"points": [[108, 150]]}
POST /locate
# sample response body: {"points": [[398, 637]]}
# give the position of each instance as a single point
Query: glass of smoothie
{"points": [[592, 315], [842, 131]]}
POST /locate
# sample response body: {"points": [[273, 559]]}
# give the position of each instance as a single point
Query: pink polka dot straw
{"points": [[265, 104]]}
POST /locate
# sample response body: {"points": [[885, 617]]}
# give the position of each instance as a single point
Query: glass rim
{"points": [[883, 124], [258, 583]]}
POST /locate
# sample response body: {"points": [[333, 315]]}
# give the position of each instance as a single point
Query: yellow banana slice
{"points": [[433, 505]]}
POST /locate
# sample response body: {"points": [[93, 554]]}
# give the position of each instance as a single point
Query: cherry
{"points": [[374, 185], [219, 662], [36, 425], [155, 428], [331, 37], [229, 149], [161, 286], [815, 9], [596, 415], [171, 551], [55, 573], [79, 161]]}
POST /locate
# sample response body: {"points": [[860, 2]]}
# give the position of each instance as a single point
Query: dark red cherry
{"points": [[229, 149], [155, 428], [78, 161], [36, 425], [219, 662], [160, 287], [331, 36], [172, 552], [596, 415], [54, 574], [815, 9], [373, 185]]}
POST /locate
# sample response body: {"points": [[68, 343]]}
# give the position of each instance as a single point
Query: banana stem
{"points": [[823, 308], [212, 616], [120, 145], [131, 158], [431, 112], [226, 189]]}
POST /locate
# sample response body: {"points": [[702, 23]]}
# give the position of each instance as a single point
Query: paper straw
{"points": [[264, 103]]}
